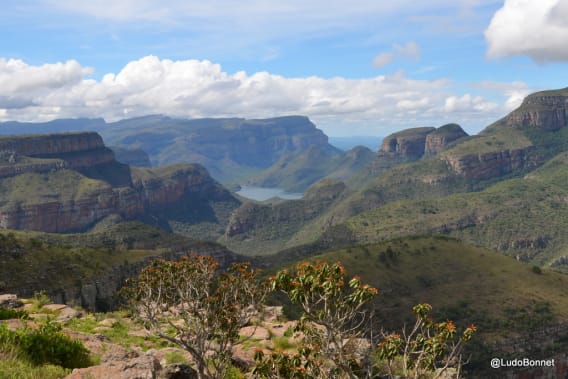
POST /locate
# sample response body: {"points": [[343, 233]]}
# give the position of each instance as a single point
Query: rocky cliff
{"points": [[62, 183], [546, 110], [44, 153], [407, 144], [493, 164]]}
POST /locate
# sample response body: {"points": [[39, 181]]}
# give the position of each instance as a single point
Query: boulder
{"points": [[10, 301]]}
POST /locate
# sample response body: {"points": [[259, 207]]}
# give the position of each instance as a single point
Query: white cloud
{"points": [[382, 59], [513, 92], [468, 103], [192, 88], [537, 29], [18, 77]]}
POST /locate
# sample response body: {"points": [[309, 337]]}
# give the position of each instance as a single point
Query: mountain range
{"points": [[474, 224]]}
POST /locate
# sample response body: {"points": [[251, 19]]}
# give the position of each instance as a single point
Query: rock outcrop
{"points": [[439, 139], [100, 294], [408, 144], [227, 147], [413, 144]]}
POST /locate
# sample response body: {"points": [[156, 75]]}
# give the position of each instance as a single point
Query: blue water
{"points": [[264, 193]]}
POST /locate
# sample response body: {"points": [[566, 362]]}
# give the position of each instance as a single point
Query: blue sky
{"points": [[354, 67]]}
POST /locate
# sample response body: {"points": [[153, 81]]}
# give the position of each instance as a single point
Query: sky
{"points": [[357, 67]]}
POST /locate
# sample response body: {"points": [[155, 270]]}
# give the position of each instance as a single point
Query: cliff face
{"points": [[230, 148], [57, 198], [493, 164], [408, 144], [100, 294], [543, 110]]}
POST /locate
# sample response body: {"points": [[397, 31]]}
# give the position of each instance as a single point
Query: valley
{"points": [[474, 225]]}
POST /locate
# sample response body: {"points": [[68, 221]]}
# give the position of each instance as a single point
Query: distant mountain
{"points": [[55, 126], [347, 143], [230, 148]]}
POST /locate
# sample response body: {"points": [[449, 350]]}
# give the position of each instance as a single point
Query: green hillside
{"points": [[525, 216], [87, 268], [514, 305]]}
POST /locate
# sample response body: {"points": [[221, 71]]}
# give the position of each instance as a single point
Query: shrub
{"points": [[211, 307], [46, 345]]}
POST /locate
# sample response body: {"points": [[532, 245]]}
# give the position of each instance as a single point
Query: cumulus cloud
{"points": [[514, 92], [537, 29], [192, 88], [468, 103], [18, 77]]}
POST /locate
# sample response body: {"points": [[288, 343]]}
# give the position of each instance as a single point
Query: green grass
{"points": [[61, 185], [118, 333], [507, 139], [173, 357], [14, 368]]}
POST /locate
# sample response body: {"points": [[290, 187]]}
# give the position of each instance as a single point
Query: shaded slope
{"points": [[296, 172]]}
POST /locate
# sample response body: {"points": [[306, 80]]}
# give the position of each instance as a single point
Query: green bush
{"points": [[46, 345]]}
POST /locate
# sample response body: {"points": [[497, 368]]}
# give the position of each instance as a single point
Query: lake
{"points": [[265, 193]]}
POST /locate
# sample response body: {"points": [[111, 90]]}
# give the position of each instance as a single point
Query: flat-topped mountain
{"points": [[545, 110], [230, 148], [69, 182], [43, 153]]}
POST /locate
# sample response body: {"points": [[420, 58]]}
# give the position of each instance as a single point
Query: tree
{"points": [[189, 304], [338, 336], [429, 347], [334, 322]]}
